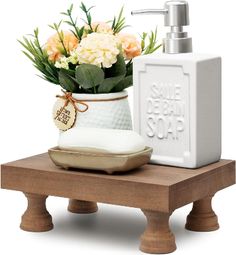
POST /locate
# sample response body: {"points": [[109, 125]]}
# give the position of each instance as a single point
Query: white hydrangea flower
{"points": [[62, 63], [98, 49], [73, 58]]}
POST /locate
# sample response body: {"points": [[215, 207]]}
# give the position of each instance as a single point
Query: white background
{"points": [[27, 129]]}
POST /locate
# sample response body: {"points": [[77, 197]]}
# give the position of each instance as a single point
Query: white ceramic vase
{"points": [[110, 111]]}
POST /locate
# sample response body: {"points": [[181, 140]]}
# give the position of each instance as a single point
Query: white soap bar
{"points": [[101, 140]]}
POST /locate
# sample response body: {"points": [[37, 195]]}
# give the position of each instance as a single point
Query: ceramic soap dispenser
{"points": [[177, 96]]}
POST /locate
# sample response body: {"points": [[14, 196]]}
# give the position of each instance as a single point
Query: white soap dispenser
{"points": [[177, 96]]}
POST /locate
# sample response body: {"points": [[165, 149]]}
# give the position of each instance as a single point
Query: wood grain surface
{"points": [[157, 190], [166, 188], [36, 217]]}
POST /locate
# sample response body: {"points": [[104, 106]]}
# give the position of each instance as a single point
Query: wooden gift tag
{"points": [[64, 116]]}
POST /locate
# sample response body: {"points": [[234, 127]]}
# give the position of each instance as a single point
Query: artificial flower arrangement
{"points": [[92, 58]]}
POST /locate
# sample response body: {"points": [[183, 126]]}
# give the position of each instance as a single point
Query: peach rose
{"points": [[130, 45], [55, 49], [100, 27]]}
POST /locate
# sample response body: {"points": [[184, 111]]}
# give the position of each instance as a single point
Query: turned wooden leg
{"points": [[79, 206], [36, 218], [157, 237], [202, 217]]}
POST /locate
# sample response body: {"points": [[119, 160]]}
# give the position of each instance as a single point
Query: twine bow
{"points": [[69, 99]]}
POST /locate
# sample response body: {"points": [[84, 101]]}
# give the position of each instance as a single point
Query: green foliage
{"points": [[152, 45], [129, 68], [89, 76], [87, 13], [119, 68], [109, 83], [92, 79], [66, 81], [78, 32], [118, 23], [123, 84], [60, 34], [34, 51], [85, 78]]}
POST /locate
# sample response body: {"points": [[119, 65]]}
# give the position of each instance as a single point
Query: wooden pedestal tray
{"points": [[157, 190]]}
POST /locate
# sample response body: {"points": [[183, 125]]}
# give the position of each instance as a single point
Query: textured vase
{"points": [[110, 111]]}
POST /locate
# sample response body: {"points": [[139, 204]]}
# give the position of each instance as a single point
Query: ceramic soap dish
{"points": [[109, 163]]}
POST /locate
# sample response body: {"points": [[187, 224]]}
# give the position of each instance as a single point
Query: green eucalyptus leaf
{"points": [[89, 76], [66, 81], [129, 69], [123, 84], [108, 84], [117, 69]]}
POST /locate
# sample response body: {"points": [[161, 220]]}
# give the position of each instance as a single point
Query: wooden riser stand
{"points": [[157, 190]]}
